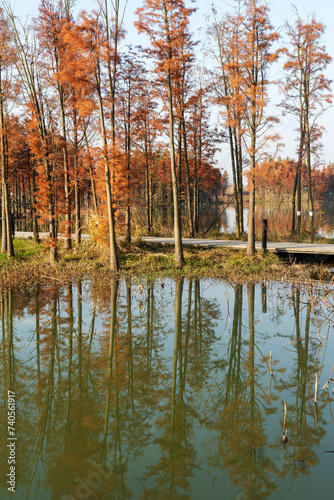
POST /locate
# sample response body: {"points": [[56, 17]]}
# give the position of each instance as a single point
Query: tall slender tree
{"points": [[49, 25], [41, 127], [256, 56], [306, 95], [225, 34], [6, 60], [166, 23]]}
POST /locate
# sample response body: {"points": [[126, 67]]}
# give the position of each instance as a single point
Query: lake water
{"points": [[162, 390], [278, 216]]}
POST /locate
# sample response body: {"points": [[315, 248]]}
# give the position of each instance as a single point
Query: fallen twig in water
{"points": [[328, 381], [270, 370], [284, 437]]}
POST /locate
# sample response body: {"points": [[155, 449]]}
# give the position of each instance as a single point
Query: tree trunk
{"points": [[293, 205], [176, 201], [299, 203], [76, 182], [235, 183], [68, 224], [148, 195], [189, 200], [251, 213], [91, 173], [114, 265], [308, 166], [34, 214], [7, 240]]}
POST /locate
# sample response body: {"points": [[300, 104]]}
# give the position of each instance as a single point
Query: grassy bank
{"points": [[31, 266]]}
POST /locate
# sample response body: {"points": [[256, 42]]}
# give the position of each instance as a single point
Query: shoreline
{"points": [[143, 260]]}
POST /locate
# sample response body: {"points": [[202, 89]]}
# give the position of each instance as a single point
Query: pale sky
{"points": [[281, 10]]}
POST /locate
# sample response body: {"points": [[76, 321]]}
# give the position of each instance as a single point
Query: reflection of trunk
{"points": [[10, 345], [92, 328], [4, 361], [46, 411], [251, 365], [195, 319], [79, 334], [38, 340], [112, 335], [264, 298], [252, 403], [70, 319], [188, 333], [130, 348], [177, 341], [200, 322], [234, 372], [302, 367], [149, 330]]}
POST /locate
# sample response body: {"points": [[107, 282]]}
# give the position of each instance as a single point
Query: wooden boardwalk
{"points": [[281, 247], [315, 249]]}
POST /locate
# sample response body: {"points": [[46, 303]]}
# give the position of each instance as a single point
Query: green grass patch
{"points": [[31, 265], [24, 249]]}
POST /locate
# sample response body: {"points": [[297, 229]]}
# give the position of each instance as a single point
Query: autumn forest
{"points": [[95, 132]]}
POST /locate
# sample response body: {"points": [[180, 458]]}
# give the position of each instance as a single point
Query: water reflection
{"points": [[278, 215], [163, 390]]}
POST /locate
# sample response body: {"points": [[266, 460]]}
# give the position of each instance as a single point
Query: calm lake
{"points": [[162, 390], [278, 216]]}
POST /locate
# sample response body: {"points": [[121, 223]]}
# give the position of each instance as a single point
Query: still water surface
{"points": [[163, 391], [277, 214]]}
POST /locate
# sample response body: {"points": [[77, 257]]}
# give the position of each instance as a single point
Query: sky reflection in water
{"points": [[164, 391]]}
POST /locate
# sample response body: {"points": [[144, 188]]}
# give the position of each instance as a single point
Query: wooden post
{"points": [[264, 234]]}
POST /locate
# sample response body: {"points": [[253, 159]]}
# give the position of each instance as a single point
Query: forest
{"points": [[96, 133]]}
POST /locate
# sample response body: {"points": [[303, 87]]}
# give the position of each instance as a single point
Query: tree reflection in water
{"points": [[146, 392]]}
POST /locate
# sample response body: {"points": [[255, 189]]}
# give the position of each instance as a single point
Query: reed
{"points": [[316, 389], [284, 437], [329, 379], [270, 369]]}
